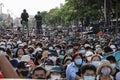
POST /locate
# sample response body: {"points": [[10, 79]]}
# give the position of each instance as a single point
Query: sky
{"points": [[15, 7]]}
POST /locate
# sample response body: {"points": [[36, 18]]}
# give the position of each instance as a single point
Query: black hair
{"points": [[16, 54], [86, 67], [96, 56], [24, 10], [107, 49], [37, 57], [67, 60], [87, 48], [39, 68], [77, 55], [111, 58], [66, 57], [69, 46], [58, 46], [39, 44], [38, 12]]}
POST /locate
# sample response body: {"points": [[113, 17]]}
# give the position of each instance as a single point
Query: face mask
{"points": [[24, 73], [58, 51], [48, 67], [61, 57], [96, 63], [70, 51], [53, 58], [33, 39], [82, 51], [50, 48], [114, 50], [2, 46], [113, 65], [106, 71], [89, 78], [78, 61], [53, 77], [9, 46]]}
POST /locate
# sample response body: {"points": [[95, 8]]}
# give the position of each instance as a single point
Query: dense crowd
{"points": [[63, 56]]}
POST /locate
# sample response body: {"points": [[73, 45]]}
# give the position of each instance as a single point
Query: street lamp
{"points": [[105, 14], [1, 5]]}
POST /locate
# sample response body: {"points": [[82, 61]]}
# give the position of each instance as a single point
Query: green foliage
{"points": [[75, 10]]}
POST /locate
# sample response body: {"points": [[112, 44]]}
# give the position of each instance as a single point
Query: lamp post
{"points": [[1, 5], [105, 14], [117, 16]]}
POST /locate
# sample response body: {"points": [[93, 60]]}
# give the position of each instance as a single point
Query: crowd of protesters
{"points": [[63, 56]]}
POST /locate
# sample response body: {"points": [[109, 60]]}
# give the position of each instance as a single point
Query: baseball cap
{"points": [[49, 62], [56, 69], [23, 65]]}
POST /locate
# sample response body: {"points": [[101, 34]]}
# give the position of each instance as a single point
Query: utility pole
{"points": [[105, 13], [117, 27], [1, 5]]}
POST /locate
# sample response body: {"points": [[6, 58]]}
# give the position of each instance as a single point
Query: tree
{"points": [[74, 11]]}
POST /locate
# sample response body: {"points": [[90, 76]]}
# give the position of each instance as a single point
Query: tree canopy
{"points": [[74, 11]]}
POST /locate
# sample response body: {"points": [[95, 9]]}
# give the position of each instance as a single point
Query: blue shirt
{"points": [[71, 71], [116, 55]]}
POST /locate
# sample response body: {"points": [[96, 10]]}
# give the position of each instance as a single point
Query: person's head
{"points": [[112, 60], [78, 59], [57, 47], [39, 45], [38, 12], [87, 46], [31, 49], [62, 54], [70, 46], [48, 64], [53, 55], [45, 54], [95, 60], [76, 46], [38, 60], [56, 72], [9, 52], [107, 50], [96, 57], [70, 50], [88, 71], [20, 52], [23, 68], [113, 47], [21, 45], [24, 10], [39, 73], [67, 61], [105, 68]]}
